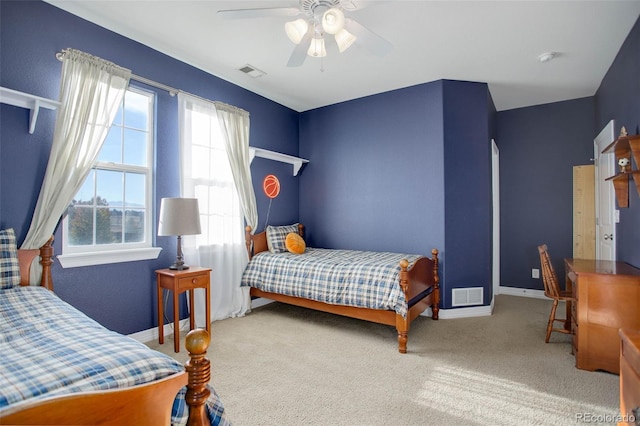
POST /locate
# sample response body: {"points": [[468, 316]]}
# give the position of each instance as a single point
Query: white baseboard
{"points": [[523, 292], [468, 312], [152, 333]]}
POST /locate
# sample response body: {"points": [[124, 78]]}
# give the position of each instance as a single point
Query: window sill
{"points": [[105, 257]]}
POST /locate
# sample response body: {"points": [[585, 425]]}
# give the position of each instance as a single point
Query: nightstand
{"points": [[177, 282]]}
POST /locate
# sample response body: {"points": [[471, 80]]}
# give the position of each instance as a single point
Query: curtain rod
{"points": [[172, 90]]}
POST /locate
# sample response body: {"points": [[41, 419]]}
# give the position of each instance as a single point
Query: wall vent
{"points": [[467, 296]]}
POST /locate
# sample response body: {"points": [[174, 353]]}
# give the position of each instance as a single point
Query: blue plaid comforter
{"points": [[339, 277], [49, 348]]}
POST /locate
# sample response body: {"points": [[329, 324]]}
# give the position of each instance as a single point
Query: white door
{"points": [[605, 195], [495, 189]]}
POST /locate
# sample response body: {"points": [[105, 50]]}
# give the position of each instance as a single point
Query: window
{"points": [[110, 218], [209, 178]]}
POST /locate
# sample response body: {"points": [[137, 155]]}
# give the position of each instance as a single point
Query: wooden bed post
{"points": [[247, 239], [26, 258], [402, 323], [435, 307], [199, 369], [46, 260]]}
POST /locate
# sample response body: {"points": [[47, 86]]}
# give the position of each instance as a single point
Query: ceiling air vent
{"points": [[252, 71]]}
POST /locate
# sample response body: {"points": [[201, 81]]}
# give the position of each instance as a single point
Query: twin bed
{"points": [[58, 366], [385, 288]]}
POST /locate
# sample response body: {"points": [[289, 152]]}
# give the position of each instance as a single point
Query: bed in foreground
{"points": [[58, 366], [385, 288]]}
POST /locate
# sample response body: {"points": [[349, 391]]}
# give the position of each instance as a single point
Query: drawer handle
{"points": [[193, 281]]}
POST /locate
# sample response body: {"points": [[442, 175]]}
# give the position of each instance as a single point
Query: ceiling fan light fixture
{"points": [[296, 30], [333, 21], [316, 48], [344, 39]]}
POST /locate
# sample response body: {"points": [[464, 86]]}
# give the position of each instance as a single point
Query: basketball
{"points": [[271, 186]]}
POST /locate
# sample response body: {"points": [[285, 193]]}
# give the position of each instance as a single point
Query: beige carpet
{"points": [[282, 365]]}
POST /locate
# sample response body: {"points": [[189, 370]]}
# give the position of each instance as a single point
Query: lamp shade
{"points": [[333, 20], [296, 30], [316, 48], [344, 39], [179, 216]]}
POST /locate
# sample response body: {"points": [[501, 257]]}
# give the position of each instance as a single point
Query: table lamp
{"points": [[179, 216]]}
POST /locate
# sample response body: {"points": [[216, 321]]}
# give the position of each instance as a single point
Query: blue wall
{"points": [[120, 296], [375, 163], [468, 201], [539, 146], [618, 98], [407, 170]]}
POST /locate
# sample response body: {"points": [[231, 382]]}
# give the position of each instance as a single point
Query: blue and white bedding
{"points": [[339, 277], [49, 348]]}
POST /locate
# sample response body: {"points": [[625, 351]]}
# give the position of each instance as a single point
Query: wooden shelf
{"points": [[25, 100], [276, 156], [625, 147]]}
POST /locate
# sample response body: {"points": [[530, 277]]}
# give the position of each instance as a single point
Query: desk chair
{"points": [[552, 291]]}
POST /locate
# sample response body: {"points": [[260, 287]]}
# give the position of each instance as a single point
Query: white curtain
{"points": [[214, 141], [234, 123], [91, 91]]}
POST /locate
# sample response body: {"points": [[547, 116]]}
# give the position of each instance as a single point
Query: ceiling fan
{"points": [[318, 23]]}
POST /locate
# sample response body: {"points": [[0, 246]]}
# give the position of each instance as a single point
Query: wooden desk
{"points": [[177, 282], [607, 298]]}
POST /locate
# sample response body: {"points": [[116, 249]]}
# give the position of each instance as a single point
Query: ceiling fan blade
{"points": [[368, 39], [265, 12], [299, 53], [350, 5]]}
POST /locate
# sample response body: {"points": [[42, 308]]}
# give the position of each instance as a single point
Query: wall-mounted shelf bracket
{"points": [[626, 146], [25, 100], [276, 156]]}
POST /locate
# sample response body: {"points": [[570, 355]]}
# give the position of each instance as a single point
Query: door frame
{"points": [[495, 196], [606, 196]]}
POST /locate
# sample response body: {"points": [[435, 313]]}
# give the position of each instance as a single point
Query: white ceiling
{"points": [[497, 42]]}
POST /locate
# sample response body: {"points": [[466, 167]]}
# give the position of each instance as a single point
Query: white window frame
{"points": [[75, 256]]}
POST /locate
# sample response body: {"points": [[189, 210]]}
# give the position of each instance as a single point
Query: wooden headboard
{"points": [[26, 257], [258, 243]]}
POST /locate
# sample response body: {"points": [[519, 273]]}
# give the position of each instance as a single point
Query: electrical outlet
{"points": [[535, 273]]}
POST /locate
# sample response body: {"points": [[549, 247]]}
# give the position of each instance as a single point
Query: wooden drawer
{"points": [[197, 281], [629, 376], [629, 393], [629, 350]]}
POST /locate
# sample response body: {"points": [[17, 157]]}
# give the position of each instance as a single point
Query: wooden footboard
{"points": [[146, 404], [420, 283], [421, 287]]}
